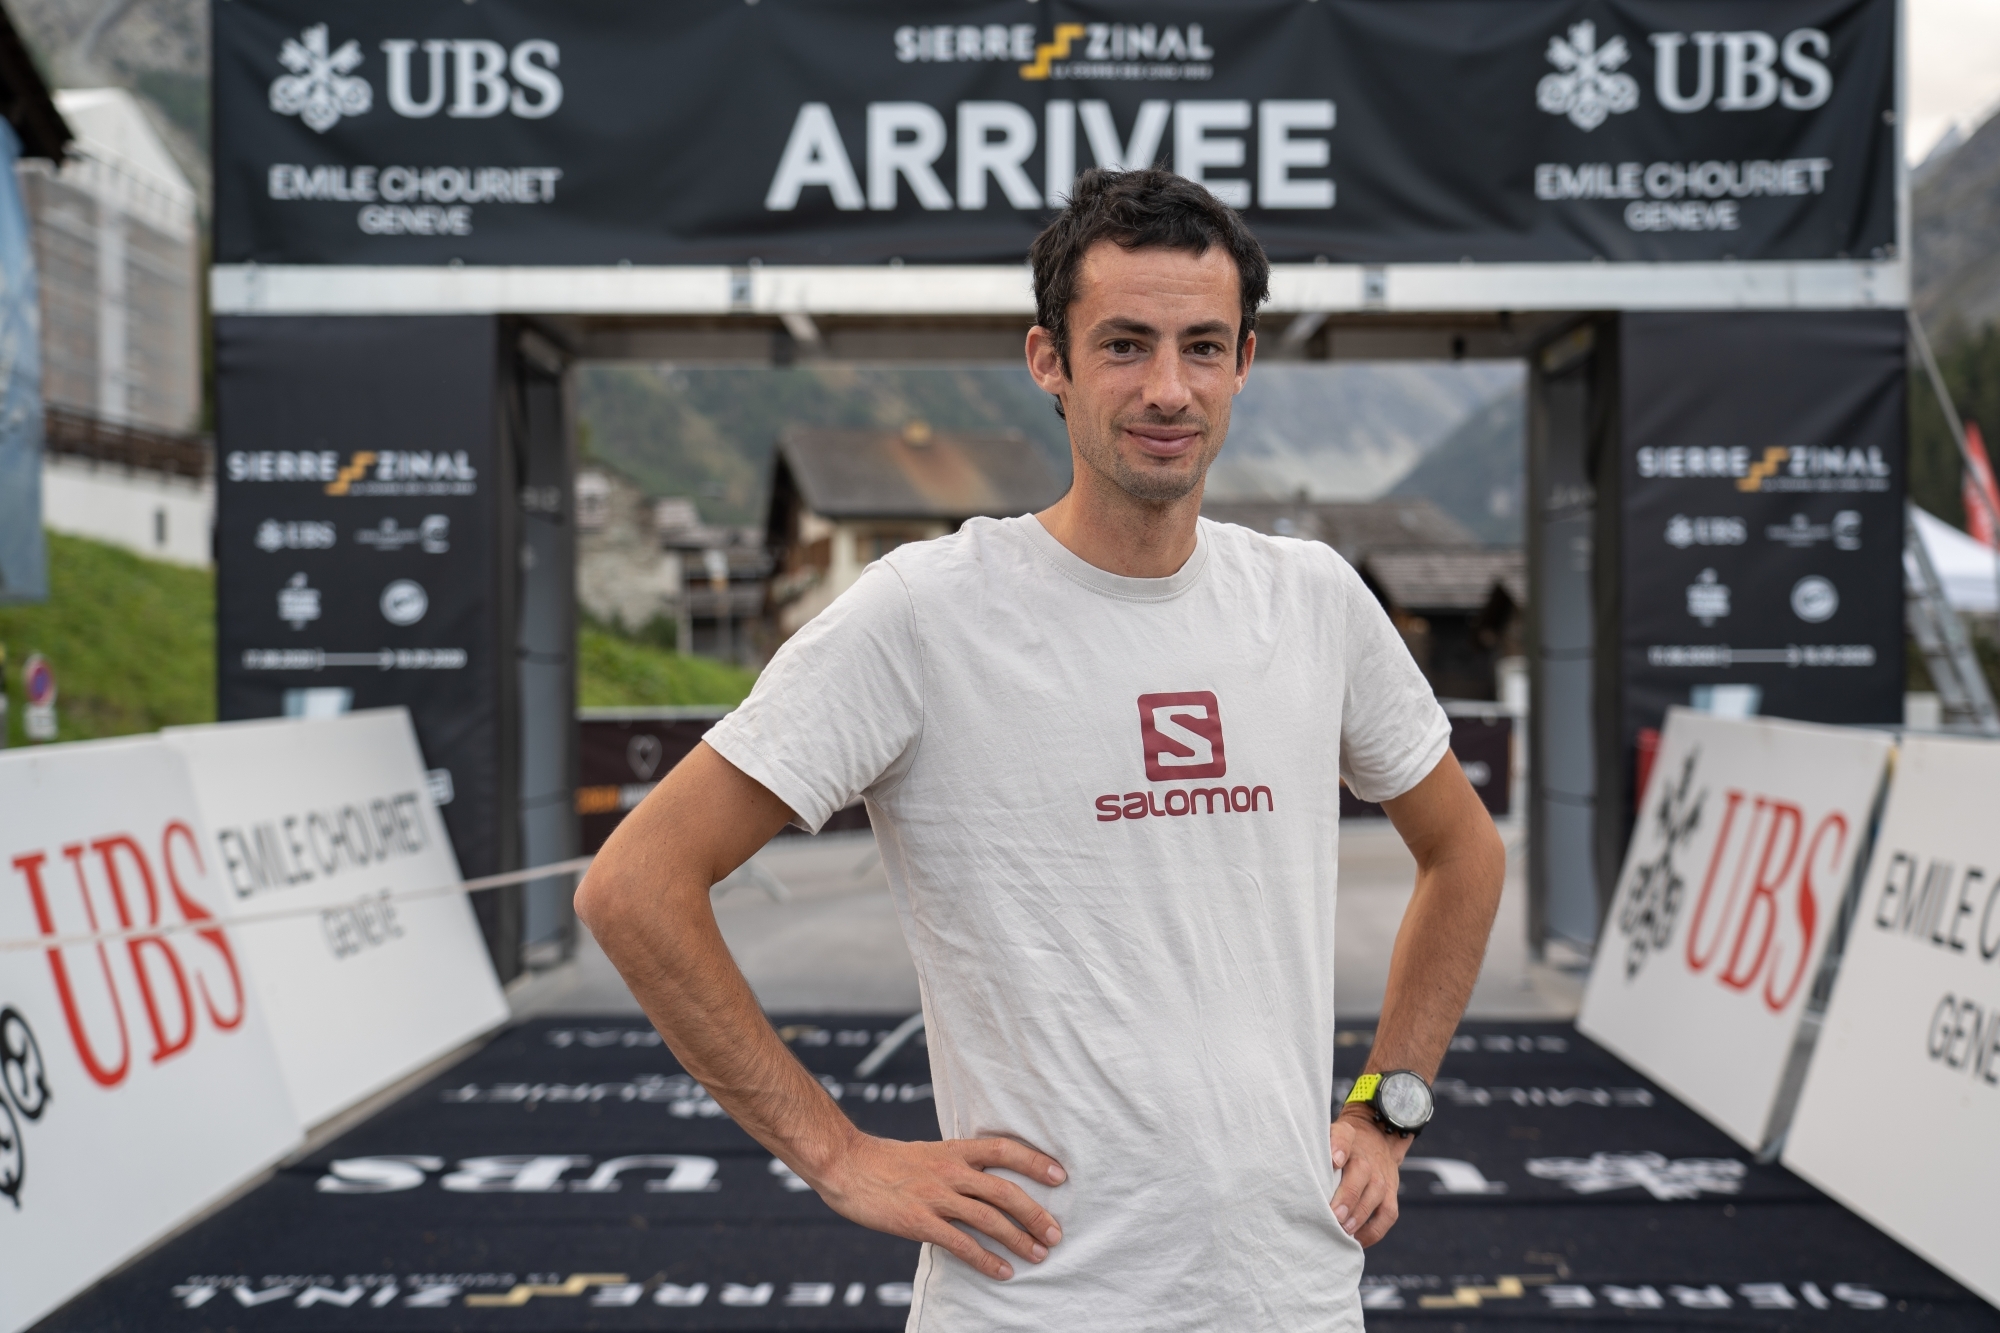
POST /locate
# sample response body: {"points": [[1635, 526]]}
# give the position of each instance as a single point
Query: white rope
{"points": [[288, 913]]}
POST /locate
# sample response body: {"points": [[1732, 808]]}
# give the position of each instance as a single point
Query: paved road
{"points": [[834, 943]]}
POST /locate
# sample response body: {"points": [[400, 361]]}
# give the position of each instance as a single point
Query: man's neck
{"points": [[1122, 535]]}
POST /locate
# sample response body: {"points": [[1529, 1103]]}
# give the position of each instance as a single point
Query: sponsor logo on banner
{"points": [[24, 1096], [1731, 884], [274, 536], [1815, 599], [1778, 468], [439, 1291], [321, 87], [1683, 532], [364, 472], [432, 536], [404, 602], [1601, 1173], [298, 602], [1430, 1291], [1587, 87], [1707, 600], [1802, 534], [466, 78], [1651, 902], [183, 985]]}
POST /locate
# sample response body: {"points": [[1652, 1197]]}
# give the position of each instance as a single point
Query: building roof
{"points": [[25, 101], [912, 473], [1448, 580], [1355, 528]]}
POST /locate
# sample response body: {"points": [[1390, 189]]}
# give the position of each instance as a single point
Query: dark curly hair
{"points": [[1151, 207]]}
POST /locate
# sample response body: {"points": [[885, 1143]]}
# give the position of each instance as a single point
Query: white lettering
{"points": [[1195, 152], [538, 78], [1666, 71], [814, 155], [1059, 151], [398, 53], [1101, 130], [1278, 153], [890, 155], [1749, 83], [979, 155], [480, 91], [1809, 67]]}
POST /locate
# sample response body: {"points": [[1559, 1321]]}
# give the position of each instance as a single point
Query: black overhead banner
{"points": [[861, 131], [1763, 480], [359, 526]]}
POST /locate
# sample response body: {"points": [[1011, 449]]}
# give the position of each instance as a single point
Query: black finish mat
{"points": [[570, 1176]]}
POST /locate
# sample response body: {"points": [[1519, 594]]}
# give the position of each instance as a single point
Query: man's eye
{"points": [[1121, 347], [1205, 349]]}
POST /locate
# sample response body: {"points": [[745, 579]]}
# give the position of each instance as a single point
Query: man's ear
{"points": [[1045, 362], [1243, 361]]}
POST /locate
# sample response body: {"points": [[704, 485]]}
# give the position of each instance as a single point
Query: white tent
{"points": [[1969, 571]]}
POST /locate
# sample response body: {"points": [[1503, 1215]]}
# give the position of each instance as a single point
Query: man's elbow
{"points": [[603, 899]]}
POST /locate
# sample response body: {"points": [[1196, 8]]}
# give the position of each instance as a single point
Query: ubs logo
{"points": [[1181, 735], [24, 1095]]}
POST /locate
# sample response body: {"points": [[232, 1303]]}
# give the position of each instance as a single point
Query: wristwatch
{"points": [[1400, 1100]]}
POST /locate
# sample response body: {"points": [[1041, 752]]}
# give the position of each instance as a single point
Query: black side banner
{"points": [[1763, 480], [867, 131], [358, 497]]}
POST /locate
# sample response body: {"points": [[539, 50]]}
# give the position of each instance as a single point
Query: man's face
{"points": [[1152, 366]]}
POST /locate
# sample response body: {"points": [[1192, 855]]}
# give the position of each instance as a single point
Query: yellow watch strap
{"points": [[1364, 1088]]}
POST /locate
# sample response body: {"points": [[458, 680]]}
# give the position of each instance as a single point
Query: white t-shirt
{"points": [[1108, 811]]}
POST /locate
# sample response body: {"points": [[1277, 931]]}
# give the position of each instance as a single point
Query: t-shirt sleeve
{"points": [[840, 706], [1392, 731]]}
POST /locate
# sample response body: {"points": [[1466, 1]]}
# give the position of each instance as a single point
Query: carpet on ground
{"points": [[569, 1175]]}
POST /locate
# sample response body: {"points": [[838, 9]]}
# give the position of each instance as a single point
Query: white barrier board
{"points": [[138, 1082], [330, 815], [1745, 844], [1901, 1104]]}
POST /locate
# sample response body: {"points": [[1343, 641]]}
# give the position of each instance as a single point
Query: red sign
{"points": [[38, 682]]}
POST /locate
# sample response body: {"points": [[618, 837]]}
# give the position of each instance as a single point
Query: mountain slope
{"points": [[1955, 238], [1334, 431], [1479, 474]]}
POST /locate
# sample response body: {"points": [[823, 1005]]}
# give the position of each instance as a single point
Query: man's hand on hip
{"points": [[918, 1190], [1370, 1161]]}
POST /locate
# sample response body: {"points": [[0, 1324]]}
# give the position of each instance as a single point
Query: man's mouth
{"points": [[1160, 441]]}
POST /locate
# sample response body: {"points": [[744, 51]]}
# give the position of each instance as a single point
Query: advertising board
{"points": [[518, 132], [1746, 844], [336, 815], [138, 1080], [359, 516], [1911, 1035], [1761, 513]]}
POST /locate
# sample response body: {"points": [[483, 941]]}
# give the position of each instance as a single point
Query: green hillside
{"points": [[132, 643], [615, 672]]}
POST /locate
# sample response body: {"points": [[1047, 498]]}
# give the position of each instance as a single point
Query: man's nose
{"points": [[1167, 389]]}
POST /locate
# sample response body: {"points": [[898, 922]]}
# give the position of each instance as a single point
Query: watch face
{"points": [[1405, 1100]]}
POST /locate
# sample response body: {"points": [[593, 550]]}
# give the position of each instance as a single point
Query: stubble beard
{"points": [[1152, 486]]}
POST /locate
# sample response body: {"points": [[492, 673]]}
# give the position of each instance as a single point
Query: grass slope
{"points": [[615, 672], [132, 642]]}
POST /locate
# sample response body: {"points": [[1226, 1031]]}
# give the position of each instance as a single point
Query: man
{"points": [[1124, 936]]}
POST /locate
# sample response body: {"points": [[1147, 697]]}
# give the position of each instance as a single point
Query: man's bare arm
{"points": [[1461, 864], [646, 899]]}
